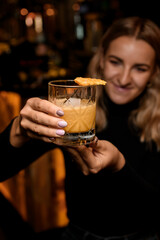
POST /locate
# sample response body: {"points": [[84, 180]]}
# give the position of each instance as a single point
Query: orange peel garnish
{"points": [[89, 81]]}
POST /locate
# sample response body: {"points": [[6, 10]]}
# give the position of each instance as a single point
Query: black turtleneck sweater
{"points": [[122, 202], [105, 203]]}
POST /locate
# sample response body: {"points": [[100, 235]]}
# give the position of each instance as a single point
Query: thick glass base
{"points": [[76, 139]]}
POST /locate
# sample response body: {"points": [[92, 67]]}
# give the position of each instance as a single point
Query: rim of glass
{"points": [[53, 83]]}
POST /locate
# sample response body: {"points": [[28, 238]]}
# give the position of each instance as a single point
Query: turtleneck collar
{"points": [[121, 110]]}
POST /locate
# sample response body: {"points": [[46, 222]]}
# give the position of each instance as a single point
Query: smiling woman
{"points": [[128, 58], [113, 185]]}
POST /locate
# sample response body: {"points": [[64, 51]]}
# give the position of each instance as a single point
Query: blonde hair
{"points": [[146, 118]]}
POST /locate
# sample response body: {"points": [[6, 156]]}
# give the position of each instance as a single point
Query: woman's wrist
{"points": [[17, 134]]}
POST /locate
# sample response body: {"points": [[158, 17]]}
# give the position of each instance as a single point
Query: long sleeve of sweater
{"points": [[12, 159]]}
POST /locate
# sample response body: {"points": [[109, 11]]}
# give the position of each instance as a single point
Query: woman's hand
{"points": [[99, 155], [38, 119]]}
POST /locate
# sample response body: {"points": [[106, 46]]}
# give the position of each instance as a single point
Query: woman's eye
{"points": [[140, 69], [114, 62]]}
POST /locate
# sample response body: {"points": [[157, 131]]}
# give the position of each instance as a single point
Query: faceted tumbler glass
{"points": [[79, 106]]}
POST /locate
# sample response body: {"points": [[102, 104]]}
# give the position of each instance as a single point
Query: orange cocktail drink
{"points": [[80, 118]]}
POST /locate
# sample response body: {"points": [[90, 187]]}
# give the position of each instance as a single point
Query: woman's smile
{"points": [[121, 89]]}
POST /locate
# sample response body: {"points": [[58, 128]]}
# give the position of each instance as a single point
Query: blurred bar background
{"points": [[42, 40]]}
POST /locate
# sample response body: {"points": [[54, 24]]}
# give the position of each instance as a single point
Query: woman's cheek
{"points": [[110, 73]]}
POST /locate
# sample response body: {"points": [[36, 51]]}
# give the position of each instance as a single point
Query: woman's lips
{"points": [[120, 88]]}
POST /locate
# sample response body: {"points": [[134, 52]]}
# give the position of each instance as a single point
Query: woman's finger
{"points": [[93, 156], [41, 118], [45, 106], [39, 137], [41, 130], [94, 143]]}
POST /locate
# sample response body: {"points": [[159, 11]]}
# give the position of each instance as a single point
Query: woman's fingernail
{"points": [[52, 139], [62, 123], [60, 132], [60, 113], [96, 140]]}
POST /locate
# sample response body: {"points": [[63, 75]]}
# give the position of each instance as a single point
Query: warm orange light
{"points": [[76, 7], [23, 11], [50, 12], [32, 15]]}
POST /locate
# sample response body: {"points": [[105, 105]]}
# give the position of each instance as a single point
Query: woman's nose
{"points": [[125, 77]]}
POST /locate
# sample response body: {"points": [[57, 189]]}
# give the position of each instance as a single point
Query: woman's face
{"points": [[128, 66]]}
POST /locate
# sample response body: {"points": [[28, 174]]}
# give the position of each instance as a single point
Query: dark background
{"points": [[71, 30]]}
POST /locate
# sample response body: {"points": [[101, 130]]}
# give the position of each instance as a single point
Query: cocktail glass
{"points": [[79, 106]]}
